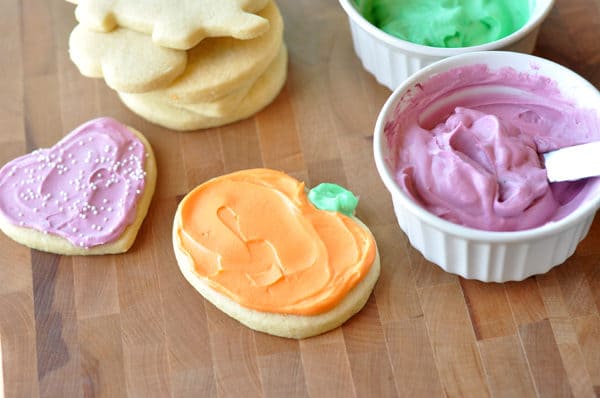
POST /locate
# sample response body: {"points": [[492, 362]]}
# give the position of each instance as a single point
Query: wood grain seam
{"points": [[254, 357], [388, 351], [519, 339], [304, 378], [527, 362], [161, 341], [162, 317], [260, 143], [89, 383], [213, 346], [556, 345], [480, 362], [372, 301], [346, 365], [436, 359], [1, 369], [586, 374]]}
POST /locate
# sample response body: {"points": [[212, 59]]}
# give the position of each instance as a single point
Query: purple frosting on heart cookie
{"points": [[84, 189]]}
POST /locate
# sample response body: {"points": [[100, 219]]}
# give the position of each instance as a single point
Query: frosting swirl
{"points": [[255, 237], [446, 24], [465, 145]]}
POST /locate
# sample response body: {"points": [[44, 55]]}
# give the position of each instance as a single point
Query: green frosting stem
{"points": [[333, 197], [446, 23]]}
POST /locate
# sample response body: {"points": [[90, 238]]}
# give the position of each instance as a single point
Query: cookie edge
{"points": [[283, 325], [35, 239]]}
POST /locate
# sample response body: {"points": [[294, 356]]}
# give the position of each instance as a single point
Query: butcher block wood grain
{"points": [[129, 325]]}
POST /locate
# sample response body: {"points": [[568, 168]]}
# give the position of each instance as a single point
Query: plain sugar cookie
{"points": [[87, 194], [218, 66], [128, 61], [253, 244], [180, 24], [233, 103], [160, 111]]}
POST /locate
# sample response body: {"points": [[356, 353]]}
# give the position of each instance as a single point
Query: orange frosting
{"points": [[254, 236]]}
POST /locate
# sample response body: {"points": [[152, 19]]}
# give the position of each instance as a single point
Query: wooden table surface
{"points": [[130, 325]]}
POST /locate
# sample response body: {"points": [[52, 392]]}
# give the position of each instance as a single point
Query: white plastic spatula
{"points": [[573, 163]]}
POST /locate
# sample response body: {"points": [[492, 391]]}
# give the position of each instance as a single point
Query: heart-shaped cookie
{"points": [[253, 244], [87, 194]]}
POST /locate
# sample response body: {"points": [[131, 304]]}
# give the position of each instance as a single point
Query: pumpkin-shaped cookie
{"points": [[254, 245]]}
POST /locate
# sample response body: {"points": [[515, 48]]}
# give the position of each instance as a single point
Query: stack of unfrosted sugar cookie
{"points": [[183, 64]]}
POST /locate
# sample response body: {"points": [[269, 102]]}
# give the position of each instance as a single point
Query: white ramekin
{"points": [[391, 60], [477, 254]]}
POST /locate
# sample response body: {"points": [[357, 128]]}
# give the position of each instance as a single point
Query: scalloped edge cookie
{"points": [[127, 60], [161, 112], [179, 24]]}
